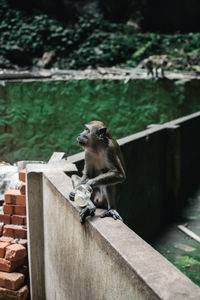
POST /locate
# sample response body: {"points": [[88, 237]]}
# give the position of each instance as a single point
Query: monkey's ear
{"points": [[103, 131]]}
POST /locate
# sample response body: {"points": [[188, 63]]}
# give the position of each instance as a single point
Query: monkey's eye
{"points": [[87, 129], [102, 131]]}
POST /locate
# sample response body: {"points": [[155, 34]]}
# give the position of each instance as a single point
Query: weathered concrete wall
{"points": [[102, 259], [162, 166], [37, 118]]}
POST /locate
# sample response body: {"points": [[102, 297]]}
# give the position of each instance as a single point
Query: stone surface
{"points": [[184, 247], [105, 258]]}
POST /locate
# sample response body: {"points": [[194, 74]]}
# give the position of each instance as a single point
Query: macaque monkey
{"points": [[103, 170], [46, 60], [153, 63]]}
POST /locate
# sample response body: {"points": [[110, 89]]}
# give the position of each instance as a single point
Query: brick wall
{"points": [[13, 244]]}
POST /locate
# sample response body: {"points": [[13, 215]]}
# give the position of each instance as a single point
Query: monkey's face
{"points": [[83, 138], [93, 136]]}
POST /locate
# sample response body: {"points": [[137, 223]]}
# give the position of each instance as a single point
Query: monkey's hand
{"points": [[89, 210], [112, 213]]}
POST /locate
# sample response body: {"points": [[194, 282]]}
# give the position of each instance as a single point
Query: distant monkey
{"points": [[153, 63], [103, 170], [46, 60]]}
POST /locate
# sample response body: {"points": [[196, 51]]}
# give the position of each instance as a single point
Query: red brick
{"points": [[14, 209], [15, 252], [20, 210], [25, 220], [15, 231], [18, 220], [3, 246], [22, 175], [10, 266], [12, 281], [22, 188], [1, 228], [14, 197], [8, 209], [7, 294], [22, 242], [6, 239], [9, 231], [6, 265], [4, 218]]}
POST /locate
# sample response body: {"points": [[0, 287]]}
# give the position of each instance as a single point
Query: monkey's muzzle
{"points": [[82, 140]]}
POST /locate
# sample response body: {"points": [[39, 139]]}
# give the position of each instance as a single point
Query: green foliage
{"points": [[38, 118], [190, 265], [90, 41]]}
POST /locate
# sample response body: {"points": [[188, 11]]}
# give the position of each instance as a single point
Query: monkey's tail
{"points": [[134, 71]]}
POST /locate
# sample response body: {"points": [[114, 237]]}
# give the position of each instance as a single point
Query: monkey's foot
{"points": [[85, 212], [111, 213], [71, 196]]}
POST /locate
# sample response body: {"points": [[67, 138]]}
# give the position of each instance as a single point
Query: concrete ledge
{"points": [[155, 128], [102, 259]]}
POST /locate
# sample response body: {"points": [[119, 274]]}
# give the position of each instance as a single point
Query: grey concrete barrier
{"points": [[100, 260]]}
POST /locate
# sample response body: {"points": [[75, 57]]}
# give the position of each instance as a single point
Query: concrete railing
{"points": [[102, 259]]}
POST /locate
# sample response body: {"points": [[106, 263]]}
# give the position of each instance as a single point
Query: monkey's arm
{"points": [[82, 180], [111, 177]]}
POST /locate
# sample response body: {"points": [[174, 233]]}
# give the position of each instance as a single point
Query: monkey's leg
{"points": [[156, 72], [150, 72], [89, 210], [162, 73], [111, 197]]}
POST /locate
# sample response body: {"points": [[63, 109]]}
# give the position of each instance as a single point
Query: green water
{"points": [[38, 118]]}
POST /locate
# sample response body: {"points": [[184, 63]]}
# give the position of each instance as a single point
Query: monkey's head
{"points": [[95, 135]]}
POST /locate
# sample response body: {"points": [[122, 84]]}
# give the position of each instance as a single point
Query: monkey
{"points": [[153, 63], [103, 170], [46, 60]]}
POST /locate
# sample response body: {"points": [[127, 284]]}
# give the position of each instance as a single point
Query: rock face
{"points": [[8, 179]]}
